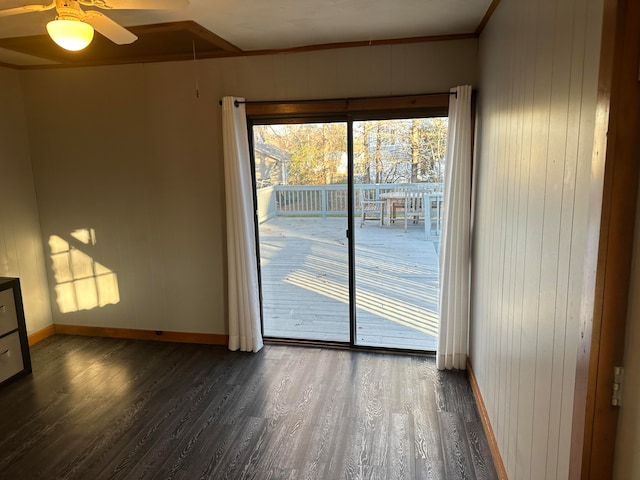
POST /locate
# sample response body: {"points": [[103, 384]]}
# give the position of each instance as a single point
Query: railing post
{"points": [[323, 194]]}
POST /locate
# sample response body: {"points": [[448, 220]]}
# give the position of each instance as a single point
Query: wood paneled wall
{"points": [[21, 252], [538, 81]]}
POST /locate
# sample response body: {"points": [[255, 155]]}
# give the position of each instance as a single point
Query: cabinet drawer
{"points": [[8, 316], [10, 356]]}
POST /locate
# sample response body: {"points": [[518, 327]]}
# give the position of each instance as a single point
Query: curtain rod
{"points": [[237, 103]]}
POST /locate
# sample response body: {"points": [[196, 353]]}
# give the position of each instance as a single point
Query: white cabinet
{"points": [[14, 346]]}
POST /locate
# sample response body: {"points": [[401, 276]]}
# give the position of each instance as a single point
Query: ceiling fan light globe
{"points": [[71, 35]]}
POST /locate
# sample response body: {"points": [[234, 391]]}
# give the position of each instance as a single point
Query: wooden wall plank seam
{"points": [[537, 96]]}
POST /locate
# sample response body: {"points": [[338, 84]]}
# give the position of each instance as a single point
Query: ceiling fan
{"points": [[73, 27]]}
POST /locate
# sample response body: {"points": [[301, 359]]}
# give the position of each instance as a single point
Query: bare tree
{"points": [[385, 151]]}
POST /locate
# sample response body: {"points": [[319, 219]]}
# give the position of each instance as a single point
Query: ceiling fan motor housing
{"points": [[68, 10]]}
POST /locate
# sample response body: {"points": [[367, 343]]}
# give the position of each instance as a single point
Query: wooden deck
{"points": [[305, 282]]}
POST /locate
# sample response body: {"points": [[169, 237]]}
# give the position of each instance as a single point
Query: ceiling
{"points": [[236, 27]]}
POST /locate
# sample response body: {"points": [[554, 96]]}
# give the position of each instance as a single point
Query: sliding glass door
{"points": [[381, 180], [301, 191], [398, 184]]}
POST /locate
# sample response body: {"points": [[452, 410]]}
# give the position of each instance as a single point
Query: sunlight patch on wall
{"points": [[85, 235], [81, 282]]}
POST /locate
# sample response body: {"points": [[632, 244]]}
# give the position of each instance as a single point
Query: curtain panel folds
{"points": [[243, 296], [455, 240]]}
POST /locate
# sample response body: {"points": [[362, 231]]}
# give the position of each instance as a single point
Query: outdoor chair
{"points": [[371, 207], [413, 207]]}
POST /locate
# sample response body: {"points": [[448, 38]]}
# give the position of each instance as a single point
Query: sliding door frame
{"points": [[351, 244], [332, 111], [294, 120]]}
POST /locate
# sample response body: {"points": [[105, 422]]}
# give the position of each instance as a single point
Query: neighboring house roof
{"points": [[271, 151]]}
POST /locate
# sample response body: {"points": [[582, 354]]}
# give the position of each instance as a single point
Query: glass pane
{"points": [[398, 176], [301, 181]]}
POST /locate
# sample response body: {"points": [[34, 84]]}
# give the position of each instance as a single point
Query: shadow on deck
{"points": [[305, 282]]}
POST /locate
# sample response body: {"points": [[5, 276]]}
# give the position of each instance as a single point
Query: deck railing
{"points": [[331, 200]]}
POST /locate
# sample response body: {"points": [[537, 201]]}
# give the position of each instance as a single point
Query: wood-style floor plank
{"points": [[122, 409]]}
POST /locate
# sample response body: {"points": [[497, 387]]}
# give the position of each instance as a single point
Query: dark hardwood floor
{"points": [[124, 409]]}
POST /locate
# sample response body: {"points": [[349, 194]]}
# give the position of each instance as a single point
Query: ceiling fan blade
{"points": [[137, 4], [27, 9], [110, 29]]}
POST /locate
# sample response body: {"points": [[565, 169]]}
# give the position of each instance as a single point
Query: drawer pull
{"points": [[3, 309], [5, 352]]}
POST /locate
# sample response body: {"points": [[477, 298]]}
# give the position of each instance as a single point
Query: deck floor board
{"points": [[305, 282]]}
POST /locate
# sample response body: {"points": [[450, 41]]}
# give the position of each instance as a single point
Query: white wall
{"points": [[538, 79], [21, 253], [132, 153], [627, 462]]}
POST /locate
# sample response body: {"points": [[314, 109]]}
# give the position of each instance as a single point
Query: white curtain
{"points": [[454, 246], [244, 299]]}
